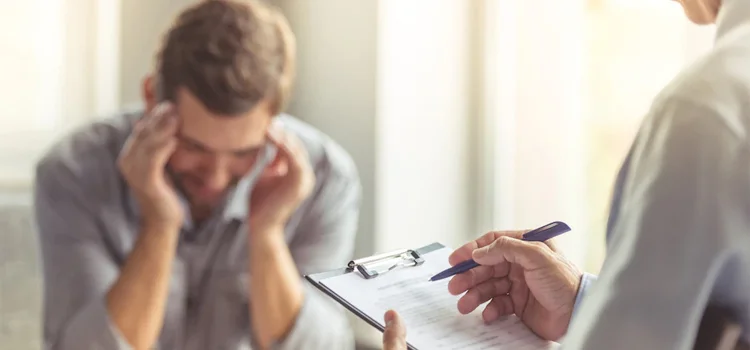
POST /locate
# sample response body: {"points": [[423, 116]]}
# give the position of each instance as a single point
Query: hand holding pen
{"points": [[541, 234], [518, 272]]}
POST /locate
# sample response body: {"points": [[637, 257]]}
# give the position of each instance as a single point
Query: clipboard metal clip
{"points": [[376, 265]]}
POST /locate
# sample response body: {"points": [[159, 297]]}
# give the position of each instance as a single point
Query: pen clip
{"points": [[546, 232]]}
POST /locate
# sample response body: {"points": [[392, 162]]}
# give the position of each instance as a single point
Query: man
{"points": [[188, 226], [679, 229]]}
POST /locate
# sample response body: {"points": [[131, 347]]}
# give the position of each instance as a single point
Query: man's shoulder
{"points": [[327, 156], [718, 84], [88, 154]]}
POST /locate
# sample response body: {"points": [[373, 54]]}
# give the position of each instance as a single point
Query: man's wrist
{"points": [[266, 236], [160, 225], [265, 226]]}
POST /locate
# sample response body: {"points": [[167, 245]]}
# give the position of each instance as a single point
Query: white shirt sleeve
{"points": [[684, 201]]}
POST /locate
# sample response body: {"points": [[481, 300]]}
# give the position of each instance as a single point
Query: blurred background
{"points": [[462, 115]]}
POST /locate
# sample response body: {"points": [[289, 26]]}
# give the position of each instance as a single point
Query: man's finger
{"points": [[499, 306], [464, 252], [529, 255], [463, 282], [289, 147], [154, 130], [161, 157], [394, 336], [278, 167], [482, 293], [158, 138], [156, 116]]}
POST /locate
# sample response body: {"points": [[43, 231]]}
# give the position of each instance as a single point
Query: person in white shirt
{"points": [[679, 228]]}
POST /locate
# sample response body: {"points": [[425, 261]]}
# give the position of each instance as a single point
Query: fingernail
{"points": [[162, 109], [389, 319], [171, 118]]}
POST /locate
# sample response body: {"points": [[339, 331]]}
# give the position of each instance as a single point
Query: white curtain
{"points": [[567, 84], [60, 68]]}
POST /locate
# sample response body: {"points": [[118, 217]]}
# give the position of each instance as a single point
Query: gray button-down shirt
{"points": [[679, 229], [88, 223]]}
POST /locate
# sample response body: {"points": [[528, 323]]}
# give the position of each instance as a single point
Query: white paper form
{"points": [[429, 311]]}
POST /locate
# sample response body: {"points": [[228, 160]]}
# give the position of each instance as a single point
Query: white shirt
{"points": [[679, 232]]}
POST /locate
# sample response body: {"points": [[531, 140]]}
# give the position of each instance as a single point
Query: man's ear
{"points": [[149, 92]]}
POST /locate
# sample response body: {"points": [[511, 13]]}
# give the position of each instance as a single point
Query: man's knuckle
{"points": [[539, 248], [500, 242]]}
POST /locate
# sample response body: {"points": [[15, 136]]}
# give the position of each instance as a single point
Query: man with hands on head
{"points": [[677, 236], [189, 225]]}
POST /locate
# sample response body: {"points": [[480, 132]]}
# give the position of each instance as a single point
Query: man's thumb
{"points": [[394, 336]]}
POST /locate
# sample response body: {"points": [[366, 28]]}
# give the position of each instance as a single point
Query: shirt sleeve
{"points": [[76, 267], [330, 228], [587, 280], [682, 201]]}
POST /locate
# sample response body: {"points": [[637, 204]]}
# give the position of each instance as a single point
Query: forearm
{"points": [[275, 285], [136, 300]]}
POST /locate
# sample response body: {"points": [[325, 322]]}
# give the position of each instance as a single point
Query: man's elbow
{"points": [[320, 325]]}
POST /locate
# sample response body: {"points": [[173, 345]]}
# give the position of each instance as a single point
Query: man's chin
{"points": [[203, 202]]}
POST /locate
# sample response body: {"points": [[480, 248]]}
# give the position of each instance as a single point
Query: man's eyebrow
{"points": [[201, 146], [194, 142]]}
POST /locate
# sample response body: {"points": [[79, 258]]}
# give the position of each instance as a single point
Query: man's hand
{"points": [[284, 184], [144, 278], [394, 336], [530, 279], [142, 163], [275, 281]]}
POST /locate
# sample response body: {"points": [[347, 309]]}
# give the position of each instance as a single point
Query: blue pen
{"points": [[537, 235]]}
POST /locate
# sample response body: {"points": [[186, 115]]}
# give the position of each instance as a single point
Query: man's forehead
{"points": [[220, 139], [220, 132]]}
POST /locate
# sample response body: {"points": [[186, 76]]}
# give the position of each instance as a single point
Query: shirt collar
{"points": [[238, 202], [732, 15]]}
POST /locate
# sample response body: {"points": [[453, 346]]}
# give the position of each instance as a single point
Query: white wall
{"points": [[335, 86], [144, 23]]}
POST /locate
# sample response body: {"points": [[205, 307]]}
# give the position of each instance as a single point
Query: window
{"points": [[567, 84], [634, 48], [61, 70]]}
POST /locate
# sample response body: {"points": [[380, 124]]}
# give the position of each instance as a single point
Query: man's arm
{"points": [[89, 302], [679, 206], [81, 310], [76, 267], [282, 305], [144, 282]]}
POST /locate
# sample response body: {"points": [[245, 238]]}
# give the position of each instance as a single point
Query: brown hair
{"points": [[230, 54]]}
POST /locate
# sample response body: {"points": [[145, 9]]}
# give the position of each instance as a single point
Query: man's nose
{"points": [[217, 174]]}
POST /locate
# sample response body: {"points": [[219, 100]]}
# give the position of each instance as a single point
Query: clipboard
{"points": [[367, 267]]}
